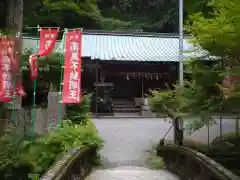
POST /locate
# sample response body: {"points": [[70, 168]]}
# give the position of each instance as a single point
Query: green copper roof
{"points": [[128, 47]]}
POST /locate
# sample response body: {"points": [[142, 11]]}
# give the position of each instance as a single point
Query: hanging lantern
{"points": [[127, 77], [157, 78]]}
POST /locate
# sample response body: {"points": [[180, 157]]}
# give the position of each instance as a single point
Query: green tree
{"points": [[219, 34], [152, 16], [200, 96]]}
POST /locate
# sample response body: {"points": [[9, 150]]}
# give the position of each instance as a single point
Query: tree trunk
{"points": [[14, 18]]}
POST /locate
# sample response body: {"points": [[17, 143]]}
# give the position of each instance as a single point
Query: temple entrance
{"points": [[123, 88], [130, 81]]}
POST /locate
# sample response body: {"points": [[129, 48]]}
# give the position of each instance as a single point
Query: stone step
{"points": [[133, 109], [131, 174], [122, 102], [123, 106], [122, 99]]}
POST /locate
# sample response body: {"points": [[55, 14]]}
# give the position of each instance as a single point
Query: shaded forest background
{"points": [[144, 15]]}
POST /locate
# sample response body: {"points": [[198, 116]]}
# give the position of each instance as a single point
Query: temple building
{"points": [[129, 64]]}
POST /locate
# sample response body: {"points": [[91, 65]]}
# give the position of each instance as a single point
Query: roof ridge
{"points": [[129, 33]]}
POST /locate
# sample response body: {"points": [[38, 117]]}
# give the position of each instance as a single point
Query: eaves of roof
{"points": [[130, 46]]}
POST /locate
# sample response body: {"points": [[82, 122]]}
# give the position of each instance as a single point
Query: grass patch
{"points": [[154, 161]]}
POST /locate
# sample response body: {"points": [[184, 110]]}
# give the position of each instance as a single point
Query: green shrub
{"points": [[79, 113], [10, 155], [160, 101], [225, 151], [227, 137], [37, 156], [41, 153], [198, 146]]}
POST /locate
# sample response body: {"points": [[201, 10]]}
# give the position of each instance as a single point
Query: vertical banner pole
{"points": [[34, 92], [181, 73], [61, 77], [96, 86], [14, 84]]}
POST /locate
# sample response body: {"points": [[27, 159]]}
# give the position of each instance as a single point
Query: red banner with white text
{"points": [[9, 68], [33, 66], [6, 88], [48, 38], [72, 68], [15, 69]]}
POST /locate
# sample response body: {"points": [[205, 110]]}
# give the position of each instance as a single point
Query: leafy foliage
{"points": [[223, 150], [157, 16], [79, 113], [41, 153], [63, 13], [198, 94], [37, 156], [219, 33], [204, 92], [199, 97], [153, 16]]}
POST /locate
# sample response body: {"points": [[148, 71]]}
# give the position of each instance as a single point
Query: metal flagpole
{"points": [[178, 123], [33, 112], [181, 42], [61, 76]]}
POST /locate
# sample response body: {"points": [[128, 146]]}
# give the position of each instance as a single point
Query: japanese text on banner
{"points": [[48, 38], [6, 90], [72, 71]]}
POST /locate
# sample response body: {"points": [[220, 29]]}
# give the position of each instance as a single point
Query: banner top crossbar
{"points": [[65, 29]]}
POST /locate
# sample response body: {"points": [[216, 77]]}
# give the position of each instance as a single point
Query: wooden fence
{"points": [[44, 119]]}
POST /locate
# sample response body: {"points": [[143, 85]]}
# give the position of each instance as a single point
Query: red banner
{"points": [[48, 38], [13, 56], [33, 66], [9, 65], [72, 68], [6, 88]]}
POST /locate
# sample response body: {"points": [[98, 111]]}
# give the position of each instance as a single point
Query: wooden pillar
{"points": [[96, 85], [177, 130]]}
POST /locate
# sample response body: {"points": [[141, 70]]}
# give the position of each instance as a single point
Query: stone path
{"points": [[124, 153], [131, 173]]}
